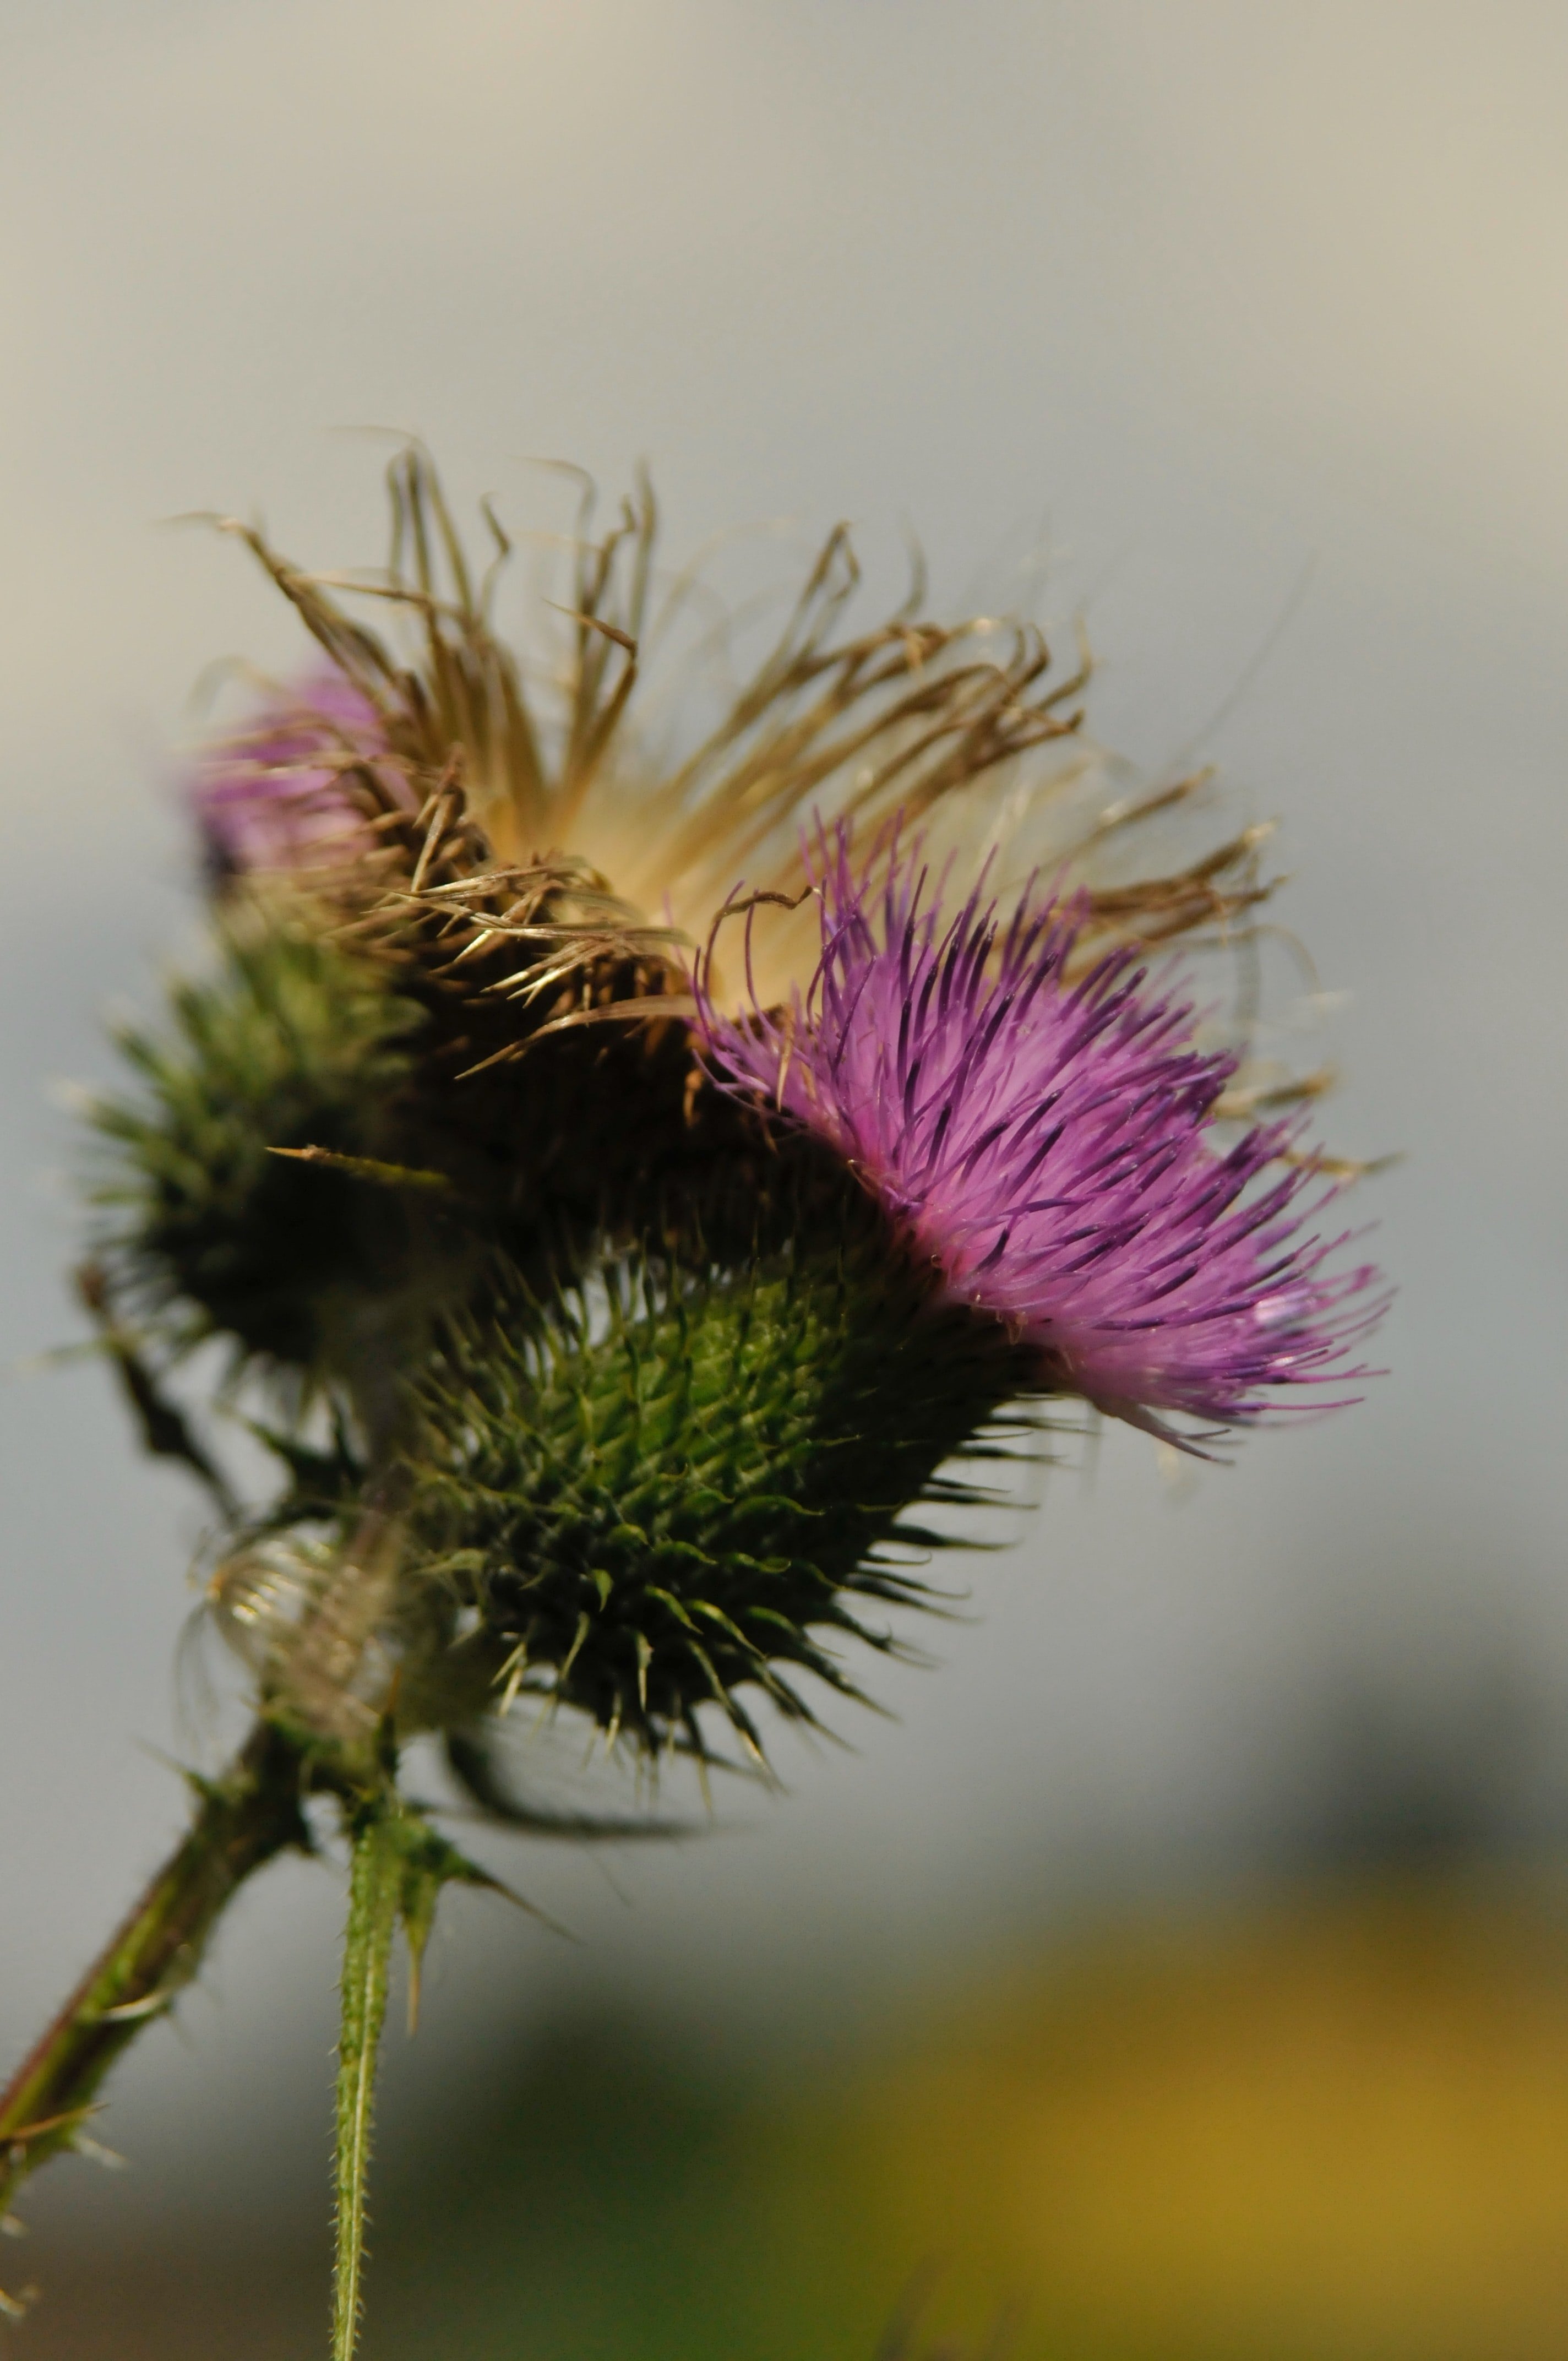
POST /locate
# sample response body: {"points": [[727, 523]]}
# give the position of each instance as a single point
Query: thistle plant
{"points": [[639, 1199]]}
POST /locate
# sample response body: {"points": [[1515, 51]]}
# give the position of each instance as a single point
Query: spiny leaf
{"points": [[398, 1867], [430, 1863]]}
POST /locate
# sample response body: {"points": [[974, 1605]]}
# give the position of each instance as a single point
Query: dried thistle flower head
{"points": [[1043, 1139], [525, 847]]}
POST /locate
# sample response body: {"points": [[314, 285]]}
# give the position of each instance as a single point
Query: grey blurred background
{"points": [[1255, 320]]}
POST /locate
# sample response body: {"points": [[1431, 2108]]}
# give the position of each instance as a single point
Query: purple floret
{"points": [[1047, 1143], [276, 796]]}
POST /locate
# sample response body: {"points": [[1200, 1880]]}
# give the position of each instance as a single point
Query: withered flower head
{"points": [[545, 868]]}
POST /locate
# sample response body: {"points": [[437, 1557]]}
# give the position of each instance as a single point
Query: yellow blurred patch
{"points": [[1341, 2129]]}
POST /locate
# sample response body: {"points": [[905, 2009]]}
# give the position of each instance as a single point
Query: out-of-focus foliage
{"points": [[1337, 2126]]}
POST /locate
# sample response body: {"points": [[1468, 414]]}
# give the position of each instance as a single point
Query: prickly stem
{"points": [[242, 1821], [375, 1891]]}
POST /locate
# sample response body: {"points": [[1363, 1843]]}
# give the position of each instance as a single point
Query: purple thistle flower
{"points": [[275, 796], [1047, 1142]]}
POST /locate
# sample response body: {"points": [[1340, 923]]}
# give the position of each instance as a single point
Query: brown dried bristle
{"points": [[534, 875]]}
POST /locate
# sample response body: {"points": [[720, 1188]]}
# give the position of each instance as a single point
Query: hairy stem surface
{"points": [[242, 1821], [375, 1895]]}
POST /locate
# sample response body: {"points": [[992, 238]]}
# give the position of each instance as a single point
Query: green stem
{"points": [[375, 1895], [242, 1821]]}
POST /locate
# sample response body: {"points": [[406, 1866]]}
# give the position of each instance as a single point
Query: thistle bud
{"points": [[287, 1044], [686, 1488]]}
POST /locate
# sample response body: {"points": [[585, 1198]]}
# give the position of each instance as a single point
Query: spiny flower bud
{"points": [[1044, 1144], [287, 1044], [676, 1492]]}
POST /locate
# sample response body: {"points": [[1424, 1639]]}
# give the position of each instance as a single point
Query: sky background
{"points": [[1254, 321]]}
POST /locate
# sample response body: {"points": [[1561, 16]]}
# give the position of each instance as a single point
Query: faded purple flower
{"points": [[1047, 1142], [274, 796]]}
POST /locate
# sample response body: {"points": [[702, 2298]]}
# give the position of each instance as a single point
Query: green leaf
{"points": [[430, 1863]]}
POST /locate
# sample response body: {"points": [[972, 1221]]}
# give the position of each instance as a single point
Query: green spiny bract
{"points": [[288, 1043], [671, 1493]]}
